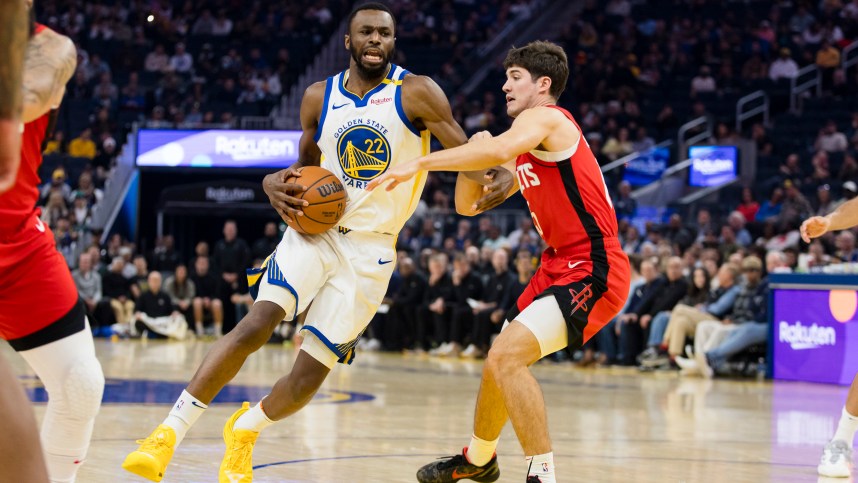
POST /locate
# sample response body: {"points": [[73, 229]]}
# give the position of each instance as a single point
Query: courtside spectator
{"points": [[182, 291], [207, 297]]}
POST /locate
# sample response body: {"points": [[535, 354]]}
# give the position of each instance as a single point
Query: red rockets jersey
{"points": [[567, 197]]}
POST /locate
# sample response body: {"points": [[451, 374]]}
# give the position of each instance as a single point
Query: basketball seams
{"points": [[317, 182], [320, 204]]}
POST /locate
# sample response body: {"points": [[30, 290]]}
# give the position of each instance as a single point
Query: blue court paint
{"points": [[142, 391]]}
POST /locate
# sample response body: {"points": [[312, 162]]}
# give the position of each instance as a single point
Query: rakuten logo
{"points": [[713, 166], [226, 195], [243, 148], [802, 337]]}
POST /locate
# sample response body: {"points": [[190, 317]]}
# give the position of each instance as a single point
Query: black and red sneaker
{"points": [[533, 479], [455, 468]]}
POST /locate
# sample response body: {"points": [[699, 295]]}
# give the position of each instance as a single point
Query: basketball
{"points": [[327, 198]]}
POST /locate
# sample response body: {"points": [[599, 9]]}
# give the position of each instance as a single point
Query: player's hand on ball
{"points": [[814, 227], [394, 176], [280, 193], [501, 182]]}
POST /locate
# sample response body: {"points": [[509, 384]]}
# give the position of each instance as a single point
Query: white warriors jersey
{"points": [[361, 138]]}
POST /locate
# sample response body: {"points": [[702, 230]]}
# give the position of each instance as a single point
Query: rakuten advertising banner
{"points": [[217, 148], [815, 335], [712, 165]]}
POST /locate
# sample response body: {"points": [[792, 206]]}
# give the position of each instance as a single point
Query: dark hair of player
{"points": [[371, 6], [542, 59]]}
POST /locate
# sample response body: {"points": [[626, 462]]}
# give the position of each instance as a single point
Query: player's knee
{"points": [[83, 388], [217, 304], [506, 356], [198, 303], [500, 360]]}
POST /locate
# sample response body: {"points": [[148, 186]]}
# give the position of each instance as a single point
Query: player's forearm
{"points": [[468, 192], [474, 156], [845, 216]]}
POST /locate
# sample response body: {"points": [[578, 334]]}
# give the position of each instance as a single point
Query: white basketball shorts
{"points": [[343, 273]]}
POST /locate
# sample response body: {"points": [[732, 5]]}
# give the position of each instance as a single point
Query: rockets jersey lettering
{"points": [[567, 196], [361, 138]]}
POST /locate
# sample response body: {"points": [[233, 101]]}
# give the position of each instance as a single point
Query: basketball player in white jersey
{"points": [[357, 124], [20, 453], [837, 455]]}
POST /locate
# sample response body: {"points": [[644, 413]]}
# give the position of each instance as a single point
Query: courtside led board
{"points": [[216, 148]]}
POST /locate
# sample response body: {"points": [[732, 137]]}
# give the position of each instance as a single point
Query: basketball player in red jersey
{"points": [[20, 453], [41, 314], [584, 276]]}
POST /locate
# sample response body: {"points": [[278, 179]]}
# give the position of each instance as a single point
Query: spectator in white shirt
{"points": [[156, 61], [181, 62], [272, 83], [703, 82], [830, 139], [223, 25], [783, 67]]}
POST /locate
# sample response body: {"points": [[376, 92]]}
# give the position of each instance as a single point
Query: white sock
{"points": [[254, 419], [846, 427], [184, 414], [541, 465], [480, 451]]}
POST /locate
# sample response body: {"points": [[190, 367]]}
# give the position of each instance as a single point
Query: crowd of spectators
{"points": [[639, 69], [208, 290]]}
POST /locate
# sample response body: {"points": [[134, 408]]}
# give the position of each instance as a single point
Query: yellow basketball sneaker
{"points": [[237, 464], [154, 454]]}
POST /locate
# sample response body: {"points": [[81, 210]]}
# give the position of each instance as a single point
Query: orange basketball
{"points": [[327, 198]]}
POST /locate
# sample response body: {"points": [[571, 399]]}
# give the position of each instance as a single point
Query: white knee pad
{"points": [[83, 387]]}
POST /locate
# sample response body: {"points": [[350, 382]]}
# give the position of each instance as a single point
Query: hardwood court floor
{"points": [[386, 415]]}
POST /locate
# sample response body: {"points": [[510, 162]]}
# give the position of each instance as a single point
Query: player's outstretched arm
{"points": [[425, 102], [13, 43], [845, 216], [280, 193], [49, 64], [528, 131]]}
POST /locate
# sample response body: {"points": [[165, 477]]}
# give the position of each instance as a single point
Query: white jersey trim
{"points": [[556, 156]]}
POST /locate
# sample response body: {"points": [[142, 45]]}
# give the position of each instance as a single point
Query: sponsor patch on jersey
{"points": [[364, 154]]}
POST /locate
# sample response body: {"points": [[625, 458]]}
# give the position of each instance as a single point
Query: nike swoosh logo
{"points": [[573, 265], [380, 262], [197, 405], [458, 476], [341, 105], [40, 226]]}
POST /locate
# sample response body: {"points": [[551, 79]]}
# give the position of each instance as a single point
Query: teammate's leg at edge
{"points": [[836, 458]]}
